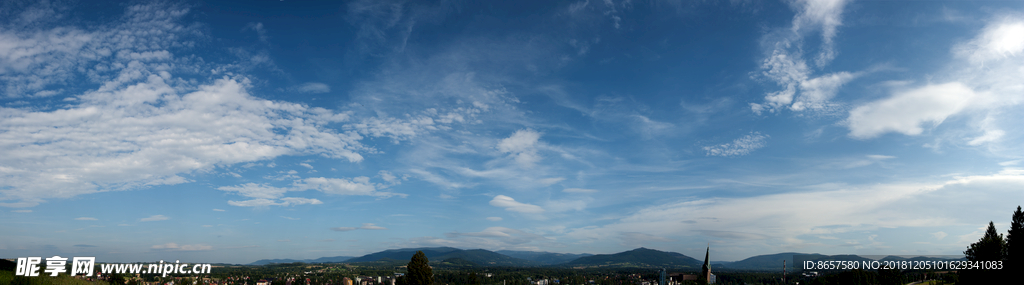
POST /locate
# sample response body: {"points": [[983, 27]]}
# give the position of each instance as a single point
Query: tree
{"points": [[988, 248], [115, 279], [419, 270], [473, 279], [1015, 243]]}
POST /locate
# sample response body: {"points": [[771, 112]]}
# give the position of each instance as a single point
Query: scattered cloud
{"points": [[219, 210], [741, 146], [906, 112], [1001, 39], [84, 245], [837, 210], [510, 204], [981, 82], [266, 195], [369, 226], [285, 202], [154, 218], [185, 247], [522, 147], [85, 219], [802, 91], [494, 219], [823, 15]]}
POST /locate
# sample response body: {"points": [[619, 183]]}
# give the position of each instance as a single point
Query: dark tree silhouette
{"points": [[473, 279], [1015, 242], [419, 271], [989, 248]]}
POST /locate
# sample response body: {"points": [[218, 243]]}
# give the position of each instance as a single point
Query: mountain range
{"points": [[334, 259], [636, 258]]}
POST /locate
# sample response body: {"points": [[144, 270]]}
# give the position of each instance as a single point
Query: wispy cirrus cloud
{"points": [[802, 90], [365, 226], [155, 218], [512, 205], [741, 146], [266, 195], [185, 247]]}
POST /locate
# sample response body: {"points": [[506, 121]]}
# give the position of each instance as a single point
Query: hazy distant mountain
{"points": [[405, 253], [543, 257], [766, 262], [334, 259], [437, 254], [919, 258], [641, 257]]}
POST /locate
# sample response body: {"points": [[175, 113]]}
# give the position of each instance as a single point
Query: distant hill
{"points": [[919, 258], [461, 257], [640, 257], [771, 262], [543, 257], [404, 253], [334, 259]]}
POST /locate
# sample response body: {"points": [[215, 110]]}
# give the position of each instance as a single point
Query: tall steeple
{"points": [[705, 270]]}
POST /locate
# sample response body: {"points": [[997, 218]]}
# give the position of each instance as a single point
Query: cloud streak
{"points": [[741, 146]]}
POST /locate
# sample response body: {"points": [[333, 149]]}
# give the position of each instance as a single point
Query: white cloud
{"points": [[185, 247], [982, 80], [510, 204], [219, 124], [254, 190], [939, 235], [906, 112], [286, 201], [86, 219], [825, 15], [335, 186], [219, 210], [836, 210], [144, 127], [741, 146], [494, 219], [522, 147], [801, 90], [154, 218], [313, 87], [1001, 39], [339, 186], [22, 211], [369, 226]]}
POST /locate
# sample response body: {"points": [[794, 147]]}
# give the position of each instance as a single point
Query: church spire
{"points": [[705, 270]]}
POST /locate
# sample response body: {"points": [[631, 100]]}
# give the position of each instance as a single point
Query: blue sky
{"points": [[231, 132]]}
